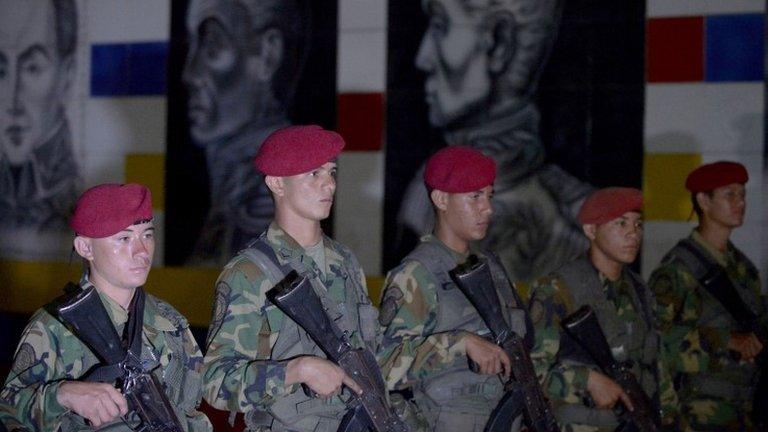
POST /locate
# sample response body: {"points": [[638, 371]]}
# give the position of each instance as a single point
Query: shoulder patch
{"points": [[168, 312]]}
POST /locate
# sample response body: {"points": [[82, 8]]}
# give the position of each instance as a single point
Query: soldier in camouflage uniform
{"points": [[430, 326], [47, 388], [581, 395], [701, 337], [257, 356]]}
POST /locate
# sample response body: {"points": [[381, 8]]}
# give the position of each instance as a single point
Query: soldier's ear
{"points": [[83, 247], [704, 200], [276, 185], [270, 57], [439, 199], [501, 43], [590, 230]]}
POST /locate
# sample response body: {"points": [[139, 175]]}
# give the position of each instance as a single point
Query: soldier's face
{"points": [[33, 79], [309, 196], [726, 205], [453, 54], [123, 260], [619, 239], [468, 215], [224, 94]]}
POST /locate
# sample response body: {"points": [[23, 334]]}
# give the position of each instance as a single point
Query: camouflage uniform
{"points": [[49, 354], [250, 340], [625, 318], [425, 315], [714, 388]]}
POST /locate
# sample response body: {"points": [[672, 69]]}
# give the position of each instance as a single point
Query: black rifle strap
{"points": [[133, 329]]}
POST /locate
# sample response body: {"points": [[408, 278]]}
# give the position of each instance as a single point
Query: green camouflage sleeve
{"points": [[548, 306], [686, 346], [668, 400], [33, 381], [410, 349], [238, 373]]}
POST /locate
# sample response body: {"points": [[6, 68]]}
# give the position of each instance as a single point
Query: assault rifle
{"points": [[474, 279], [82, 311], [583, 326], [369, 411]]}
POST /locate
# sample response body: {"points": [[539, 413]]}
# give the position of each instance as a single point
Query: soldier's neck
{"points": [[450, 239], [607, 266], [306, 233], [121, 296], [714, 234]]}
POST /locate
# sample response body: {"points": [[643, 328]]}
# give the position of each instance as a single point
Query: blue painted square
{"points": [[734, 47], [137, 69]]}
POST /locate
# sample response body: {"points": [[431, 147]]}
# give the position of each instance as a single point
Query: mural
{"points": [[478, 67], [240, 66], [39, 173]]}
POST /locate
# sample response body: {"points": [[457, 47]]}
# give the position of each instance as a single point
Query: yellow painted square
{"points": [[665, 196], [148, 169]]}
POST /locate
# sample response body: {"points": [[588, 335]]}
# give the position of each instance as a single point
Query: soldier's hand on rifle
{"points": [[99, 403], [322, 376], [746, 344], [605, 392], [490, 358]]}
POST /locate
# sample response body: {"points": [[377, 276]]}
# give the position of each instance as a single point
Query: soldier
{"points": [[700, 335], [581, 395], [430, 328], [257, 356], [48, 386]]}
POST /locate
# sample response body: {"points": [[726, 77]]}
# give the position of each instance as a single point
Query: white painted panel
{"points": [[101, 168], [125, 21], [359, 207], [362, 14], [126, 125], [659, 8], [702, 118], [658, 239], [362, 61]]}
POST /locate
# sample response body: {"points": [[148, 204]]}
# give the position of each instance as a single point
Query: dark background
{"points": [[591, 97]]}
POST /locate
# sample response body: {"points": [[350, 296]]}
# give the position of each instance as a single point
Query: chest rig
{"points": [[355, 316], [457, 388]]}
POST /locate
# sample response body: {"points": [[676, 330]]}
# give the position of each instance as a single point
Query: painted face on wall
{"points": [[619, 239], [453, 54], [726, 205], [224, 92], [33, 79]]}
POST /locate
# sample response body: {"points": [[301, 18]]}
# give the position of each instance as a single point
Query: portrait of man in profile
{"points": [[242, 66], [482, 60], [39, 176]]}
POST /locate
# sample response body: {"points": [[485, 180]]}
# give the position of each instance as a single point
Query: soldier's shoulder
{"points": [[242, 269], [547, 286], [409, 276], [163, 314]]}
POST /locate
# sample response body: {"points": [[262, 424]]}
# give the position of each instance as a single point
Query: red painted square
{"points": [[675, 49], [361, 120]]}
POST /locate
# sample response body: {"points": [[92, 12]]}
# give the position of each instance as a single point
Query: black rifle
{"points": [[83, 313], [583, 326], [368, 411], [474, 279]]}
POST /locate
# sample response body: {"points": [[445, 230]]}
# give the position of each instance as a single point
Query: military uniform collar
{"points": [[457, 256], [153, 317], [720, 257], [288, 249]]}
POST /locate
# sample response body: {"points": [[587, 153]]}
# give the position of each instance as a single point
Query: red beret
{"points": [[297, 149], [607, 204], [459, 169], [107, 209], [712, 176]]}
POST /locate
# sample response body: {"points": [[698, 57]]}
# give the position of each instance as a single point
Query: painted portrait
{"points": [[241, 79], [478, 66], [39, 172]]}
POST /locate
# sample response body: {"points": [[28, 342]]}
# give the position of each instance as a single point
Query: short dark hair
{"points": [[65, 22], [696, 207]]}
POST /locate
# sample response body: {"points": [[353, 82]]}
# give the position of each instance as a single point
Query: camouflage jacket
{"points": [[49, 355], [243, 371], [565, 380], [696, 329]]}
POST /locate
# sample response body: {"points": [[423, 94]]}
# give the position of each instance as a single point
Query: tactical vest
{"points": [[584, 288], [355, 316], [457, 391], [733, 384]]}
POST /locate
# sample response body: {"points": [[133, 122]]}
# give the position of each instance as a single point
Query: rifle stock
{"points": [[475, 280], [583, 327], [370, 410]]}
